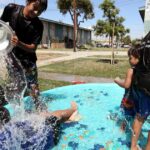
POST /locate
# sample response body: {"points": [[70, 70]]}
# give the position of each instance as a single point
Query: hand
{"points": [[117, 79], [15, 41]]}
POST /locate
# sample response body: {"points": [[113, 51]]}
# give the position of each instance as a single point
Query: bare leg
{"points": [[137, 125], [148, 142], [63, 115]]}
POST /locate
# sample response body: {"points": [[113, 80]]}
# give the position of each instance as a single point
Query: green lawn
{"points": [[50, 84], [88, 67]]}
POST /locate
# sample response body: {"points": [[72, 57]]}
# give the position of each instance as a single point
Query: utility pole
{"points": [[75, 25], [113, 33]]}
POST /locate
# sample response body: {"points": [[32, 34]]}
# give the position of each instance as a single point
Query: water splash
{"points": [[120, 116], [26, 133], [12, 78]]}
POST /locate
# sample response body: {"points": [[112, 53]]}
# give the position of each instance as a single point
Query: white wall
{"points": [[147, 17], [1, 11]]}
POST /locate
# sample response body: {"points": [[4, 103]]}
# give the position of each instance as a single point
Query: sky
{"points": [[129, 9]]}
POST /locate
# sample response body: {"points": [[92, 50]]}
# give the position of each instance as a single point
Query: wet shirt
{"points": [[28, 31]]}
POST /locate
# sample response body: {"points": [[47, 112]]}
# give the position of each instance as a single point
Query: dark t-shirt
{"points": [[29, 31]]}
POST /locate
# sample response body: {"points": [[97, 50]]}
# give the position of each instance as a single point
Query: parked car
{"points": [[126, 46], [106, 45], [99, 45]]}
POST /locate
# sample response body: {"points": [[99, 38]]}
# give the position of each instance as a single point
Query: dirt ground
{"points": [[48, 56]]}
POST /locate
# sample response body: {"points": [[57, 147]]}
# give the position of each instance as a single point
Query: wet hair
{"points": [[43, 3], [134, 51], [4, 116]]}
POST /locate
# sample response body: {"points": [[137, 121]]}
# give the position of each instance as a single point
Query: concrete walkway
{"points": [[74, 55], [70, 78]]}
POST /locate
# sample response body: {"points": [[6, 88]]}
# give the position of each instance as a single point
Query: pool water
{"points": [[96, 128]]}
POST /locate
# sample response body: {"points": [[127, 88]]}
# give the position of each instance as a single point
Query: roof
{"points": [[142, 12], [62, 23]]}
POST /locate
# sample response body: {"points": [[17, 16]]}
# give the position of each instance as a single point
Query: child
{"points": [[33, 133], [127, 103], [28, 34]]}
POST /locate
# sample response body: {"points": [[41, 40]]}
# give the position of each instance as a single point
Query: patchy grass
{"points": [[107, 49], [50, 84], [88, 67]]}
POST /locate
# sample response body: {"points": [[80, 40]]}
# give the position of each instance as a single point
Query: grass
{"points": [[88, 67], [107, 49], [116, 57], [50, 84]]}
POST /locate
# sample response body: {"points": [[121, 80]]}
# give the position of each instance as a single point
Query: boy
{"points": [[28, 34]]}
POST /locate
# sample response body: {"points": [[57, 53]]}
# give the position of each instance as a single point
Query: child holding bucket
{"points": [[28, 33]]}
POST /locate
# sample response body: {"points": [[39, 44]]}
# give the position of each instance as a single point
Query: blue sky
{"points": [[128, 9]]}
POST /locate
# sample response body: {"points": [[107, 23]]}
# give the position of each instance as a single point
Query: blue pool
{"points": [[96, 129]]}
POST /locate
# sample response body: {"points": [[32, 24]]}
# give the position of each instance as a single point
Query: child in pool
{"points": [[50, 128], [127, 103]]}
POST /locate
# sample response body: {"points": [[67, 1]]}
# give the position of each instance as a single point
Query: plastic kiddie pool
{"points": [[99, 125]]}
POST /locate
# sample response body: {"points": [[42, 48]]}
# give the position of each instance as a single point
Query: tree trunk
{"points": [[112, 44], [75, 26]]}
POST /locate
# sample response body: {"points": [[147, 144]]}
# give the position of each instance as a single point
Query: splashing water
{"points": [[25, 134], [24, 131], [12, 79]]}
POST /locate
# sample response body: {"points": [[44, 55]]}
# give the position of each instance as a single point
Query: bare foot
{"points": [[74, 106], [75, 116]]}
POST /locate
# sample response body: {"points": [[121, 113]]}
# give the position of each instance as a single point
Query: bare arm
{"points": [[26, 47], [126, 83]]}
